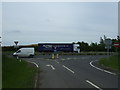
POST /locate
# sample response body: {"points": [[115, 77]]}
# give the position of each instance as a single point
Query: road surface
{"points": [[72, 71]]}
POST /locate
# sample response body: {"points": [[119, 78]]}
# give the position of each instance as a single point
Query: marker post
{"points": [[53, 56], [108, 44]]}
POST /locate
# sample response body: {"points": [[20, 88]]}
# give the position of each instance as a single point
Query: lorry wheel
{"points": [[31, 56]]}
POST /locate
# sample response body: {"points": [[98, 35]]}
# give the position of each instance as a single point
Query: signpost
{"points": [[108, 44], [16, 42], [116, 45]]}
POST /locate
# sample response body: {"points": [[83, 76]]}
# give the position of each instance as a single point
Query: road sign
{"points": [[116, 44], [16, 42], [108, 43]]}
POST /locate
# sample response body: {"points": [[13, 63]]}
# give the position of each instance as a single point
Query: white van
{"points": [[24, 52]]}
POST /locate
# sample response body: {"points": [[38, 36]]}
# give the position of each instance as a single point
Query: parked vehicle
{"points": [[24, 52]]}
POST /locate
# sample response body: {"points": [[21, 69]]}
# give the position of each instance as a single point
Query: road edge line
{"points": [[35, 86], [101, 69]]}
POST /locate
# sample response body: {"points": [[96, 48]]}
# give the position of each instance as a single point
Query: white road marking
{"points": [[57, 61], [34, 63], [36, 81], [68, 58], [68, 69], [63, 59], [50, 66], [93, 84], [36, 75], [101, 69]]}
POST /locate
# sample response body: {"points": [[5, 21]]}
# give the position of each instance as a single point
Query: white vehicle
{"points": [[76, 48], [24, 52]]}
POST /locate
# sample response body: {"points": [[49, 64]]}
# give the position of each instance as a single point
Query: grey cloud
{"points": [[15, 31]]}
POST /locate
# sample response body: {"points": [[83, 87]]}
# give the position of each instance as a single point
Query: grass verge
{"points": [[111, 62], [16, 74]]}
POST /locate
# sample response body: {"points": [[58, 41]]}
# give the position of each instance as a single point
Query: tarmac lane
{"points": [[71, 71]]}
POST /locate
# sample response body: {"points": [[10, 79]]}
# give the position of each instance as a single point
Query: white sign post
{"points": [[16, 42], [108, 44]]}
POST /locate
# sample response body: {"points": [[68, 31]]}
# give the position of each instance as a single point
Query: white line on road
{"points": [[57, 61], [93, 84], [68, 69], [50, 66], [37, 73], [63, 59], [101, 69], [34, 63]]}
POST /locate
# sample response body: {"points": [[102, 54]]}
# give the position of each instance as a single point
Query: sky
{"points": [[38, 22]]}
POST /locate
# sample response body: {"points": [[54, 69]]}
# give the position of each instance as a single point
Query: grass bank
{"points": [[16, 74], [111, 62]]}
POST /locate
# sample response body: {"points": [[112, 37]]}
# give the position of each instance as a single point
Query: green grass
{"points": [[16, 74], [112, 62]]}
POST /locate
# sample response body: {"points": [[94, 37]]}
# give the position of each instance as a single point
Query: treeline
{"points": [[95, 47], [84, 46]]}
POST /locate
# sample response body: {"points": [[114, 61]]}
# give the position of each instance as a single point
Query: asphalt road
{"points": [[72, 71]]}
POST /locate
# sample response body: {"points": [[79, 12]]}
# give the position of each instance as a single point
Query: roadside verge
{"points": [[37, 74], [17, 74], [95, 64]]}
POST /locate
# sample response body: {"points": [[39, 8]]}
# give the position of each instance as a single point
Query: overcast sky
{"points": [[37, 22]]}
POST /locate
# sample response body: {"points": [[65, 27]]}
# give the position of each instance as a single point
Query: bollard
{"points": [[17, 57], [53, 56], [57, 55]]}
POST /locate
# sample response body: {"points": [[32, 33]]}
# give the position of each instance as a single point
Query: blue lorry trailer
{"points": [[55, 47]]}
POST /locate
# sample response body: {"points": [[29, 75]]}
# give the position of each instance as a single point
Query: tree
{"points": [[93, 46], [101, 40], [84, 46]]}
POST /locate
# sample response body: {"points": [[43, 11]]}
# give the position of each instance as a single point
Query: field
{"points": [[16, 74]]}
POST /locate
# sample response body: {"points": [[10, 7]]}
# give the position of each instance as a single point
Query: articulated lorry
{"points": [[58, 47]]}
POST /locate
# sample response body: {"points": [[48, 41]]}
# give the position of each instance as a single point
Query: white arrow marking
{"points": [[51, 66]]}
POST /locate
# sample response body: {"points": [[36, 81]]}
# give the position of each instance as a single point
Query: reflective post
{"points": [[53, 56], [57, 55]]}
